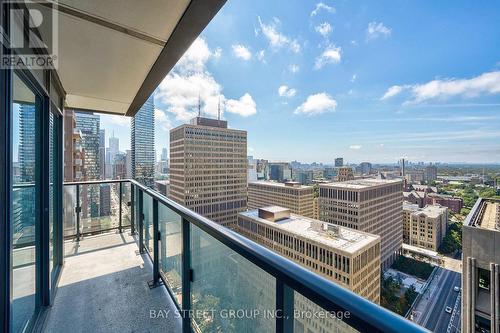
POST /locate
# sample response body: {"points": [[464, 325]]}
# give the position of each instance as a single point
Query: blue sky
{"points": [[367, 80]]}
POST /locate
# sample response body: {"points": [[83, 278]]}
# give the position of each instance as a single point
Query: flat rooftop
{"points": [[276, 184], [348, 240], [485, 215], [429, 210], [362, 183]]}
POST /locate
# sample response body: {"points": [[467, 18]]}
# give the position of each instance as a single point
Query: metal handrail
{"points": [[365, 315]]}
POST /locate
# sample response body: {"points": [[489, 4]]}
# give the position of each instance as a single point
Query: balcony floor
{"points": [[103, 288]]}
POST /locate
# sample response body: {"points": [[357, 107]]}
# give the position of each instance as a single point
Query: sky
{"points": [[366, 80]]}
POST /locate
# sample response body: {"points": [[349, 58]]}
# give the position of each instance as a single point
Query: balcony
{"points": [[142, 254]]}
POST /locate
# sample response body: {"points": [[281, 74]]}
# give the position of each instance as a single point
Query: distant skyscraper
{"points": [[164, 154], [102, 153], [89, 125], [142, 144], [27, 143], [128, 164], [344, 174], [280, 171], [208, 169], [339, 162]]}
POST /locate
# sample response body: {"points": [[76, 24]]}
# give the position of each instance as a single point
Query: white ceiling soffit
{"points": [[112, 54]]}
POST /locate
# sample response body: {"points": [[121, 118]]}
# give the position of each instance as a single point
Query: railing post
{"points": [[156, 234], [141, 221], [132, 209], [120, 208], [186, 277], [284, 307], [78, 210]]}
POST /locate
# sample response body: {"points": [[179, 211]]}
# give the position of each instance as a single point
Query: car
{"points": [[456, 288], [448, 309]]}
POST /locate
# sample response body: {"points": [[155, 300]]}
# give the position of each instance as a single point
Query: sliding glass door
{"points": [[25, 221]]}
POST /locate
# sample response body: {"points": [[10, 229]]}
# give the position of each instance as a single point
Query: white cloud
{"points": [[322, 6], [331, 55], [317, 104], [260, 55], [245, 106], [190, 82], [354, 77], [241, 51], [294, 68], [276, 39], [392, 91], [355, 147], [323, 29], [285, 91], [217, 53], [376, 30], [162, 120], [486, 83]]}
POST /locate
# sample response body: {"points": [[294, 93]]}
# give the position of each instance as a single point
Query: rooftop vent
{"points": [[292, 184]]}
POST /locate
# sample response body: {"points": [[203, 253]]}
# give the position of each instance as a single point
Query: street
{"points": [[430, 310]]}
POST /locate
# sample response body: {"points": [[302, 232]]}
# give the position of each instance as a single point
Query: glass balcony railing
{"points": [[219, 280]]}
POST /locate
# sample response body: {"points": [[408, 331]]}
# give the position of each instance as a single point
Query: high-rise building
{"points": [[128, 164], [344, 174], [105, 199], [27, 139], [291, 195], [339, 162], [164, 154], [142, 144], [208, 169], [430, 173], [280, 171], [369, 205], [120, 166], [102, 153], [304, 177], [73, 151], [481, 268], [424, 227], [346, 256], [262, 169], [89, 125], [364, 168], [252, 169]]}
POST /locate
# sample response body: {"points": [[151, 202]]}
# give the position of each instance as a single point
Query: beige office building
{"points": [[344, 174], [345, 256], [292, 195], [481, 268], [424, 227], [369, 205], [208, 169]]}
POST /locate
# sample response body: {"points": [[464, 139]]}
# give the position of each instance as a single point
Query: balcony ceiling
{"points": [[112, 54]]}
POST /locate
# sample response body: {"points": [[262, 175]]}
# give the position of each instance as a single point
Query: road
{"points": [[433, 315]]}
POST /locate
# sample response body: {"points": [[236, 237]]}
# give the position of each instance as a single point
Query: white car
{"points": [[448, 309], [456, 288]]}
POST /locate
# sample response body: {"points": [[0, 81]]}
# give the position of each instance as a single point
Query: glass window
{"points": [[24, 205], [483, 279]]}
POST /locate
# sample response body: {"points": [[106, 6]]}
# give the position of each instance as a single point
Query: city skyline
{"points": [[307, 72]]}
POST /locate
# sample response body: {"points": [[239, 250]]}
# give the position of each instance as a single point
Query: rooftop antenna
{"points": [[199, 105]]}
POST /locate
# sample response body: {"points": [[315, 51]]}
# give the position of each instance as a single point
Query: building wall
{"points": [[375, 209], [359, 272], [298, 199], [208, 171]]}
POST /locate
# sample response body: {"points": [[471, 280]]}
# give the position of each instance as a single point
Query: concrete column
{"points": [[469, 319], [494, 288]]}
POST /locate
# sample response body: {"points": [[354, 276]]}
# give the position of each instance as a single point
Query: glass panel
{"points": [[24, 202], [310, 317], [170, 246], [69, 205], [126, 209], [229, 293], [100, 210], [148, 223], [53, 162]]}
